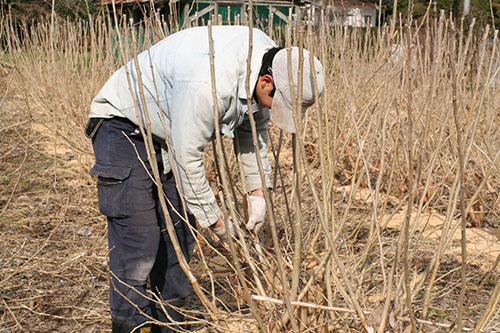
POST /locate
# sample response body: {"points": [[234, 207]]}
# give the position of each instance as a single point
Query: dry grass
{"points": [[53, 247], [378, 174]]}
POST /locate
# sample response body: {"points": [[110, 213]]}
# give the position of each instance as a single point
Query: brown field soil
{"points": [[53, 253], [482, 243], [53, 246]]}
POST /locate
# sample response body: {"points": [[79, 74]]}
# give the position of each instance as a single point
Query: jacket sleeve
{"points": [[191, 128], [248, 155]]}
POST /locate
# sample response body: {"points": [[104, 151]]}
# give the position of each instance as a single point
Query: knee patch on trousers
{"points": [[132, 250]]}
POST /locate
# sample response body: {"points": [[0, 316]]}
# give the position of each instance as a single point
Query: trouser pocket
{"points": [[112, 189]]}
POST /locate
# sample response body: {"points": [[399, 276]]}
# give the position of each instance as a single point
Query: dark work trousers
{"points": [[139, 245]]}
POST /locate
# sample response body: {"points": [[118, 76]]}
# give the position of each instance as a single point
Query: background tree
{"points": [[34, 10], [480, 9]]}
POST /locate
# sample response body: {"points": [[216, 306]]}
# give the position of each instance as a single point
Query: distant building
{"points": [[236, 11], [195, 12], [353, 13], [343, 12]]}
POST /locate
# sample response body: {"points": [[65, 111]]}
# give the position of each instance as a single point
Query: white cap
{"points": [[282, 107]]}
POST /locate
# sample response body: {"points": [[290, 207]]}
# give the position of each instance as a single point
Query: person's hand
{"points": [[258, 211], [220, 229]]}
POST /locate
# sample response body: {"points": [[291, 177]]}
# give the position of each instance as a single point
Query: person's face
{"points": [[263, 90]]}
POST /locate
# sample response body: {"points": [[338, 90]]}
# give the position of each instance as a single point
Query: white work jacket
{"points": [[177, 87]]}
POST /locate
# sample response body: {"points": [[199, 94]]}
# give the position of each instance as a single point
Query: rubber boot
{"points": [[176, 316], [120, 325]]}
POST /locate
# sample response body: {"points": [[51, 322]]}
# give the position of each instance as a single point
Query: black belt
{"points": [[92, 126]]}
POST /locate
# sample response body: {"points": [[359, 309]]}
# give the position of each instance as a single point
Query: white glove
{"points": [[258, 213], [221, 230]]}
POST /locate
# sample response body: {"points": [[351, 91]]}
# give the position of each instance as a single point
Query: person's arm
{"points": [[191, 128], [248, 155], [251, 168]]}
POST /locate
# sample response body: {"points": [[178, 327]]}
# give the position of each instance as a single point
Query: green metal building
{"points": [[198, 12]]}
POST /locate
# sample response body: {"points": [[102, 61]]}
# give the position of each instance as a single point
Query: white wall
{"points": [[356, 16]]}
